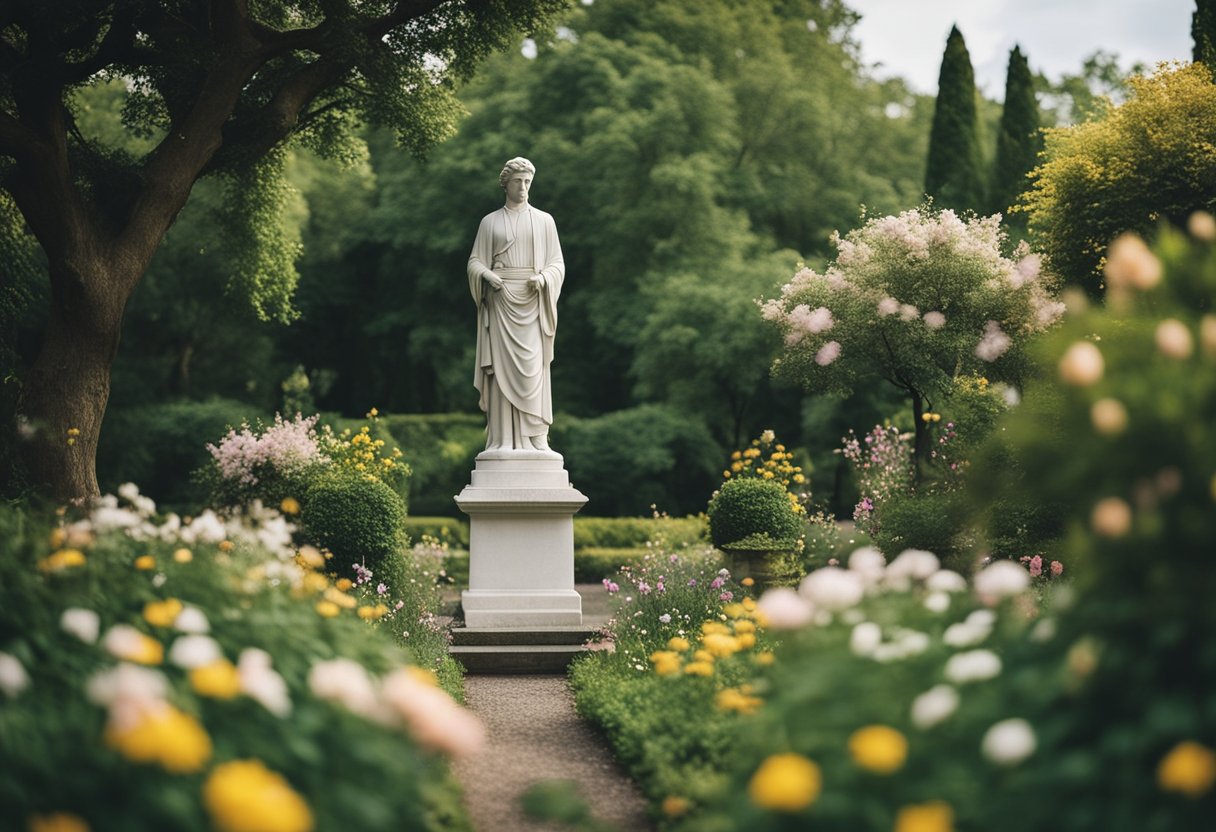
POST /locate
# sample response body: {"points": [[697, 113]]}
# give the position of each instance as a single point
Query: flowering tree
{"points": [[915, 300]]}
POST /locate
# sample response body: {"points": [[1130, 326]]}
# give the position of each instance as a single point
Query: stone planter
{"points": [[757, 564]]}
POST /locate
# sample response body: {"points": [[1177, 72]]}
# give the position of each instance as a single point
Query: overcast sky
{"points": [[908, 36]]}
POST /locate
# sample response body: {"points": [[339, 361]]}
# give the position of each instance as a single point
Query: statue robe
{"points": [[515, 326]]}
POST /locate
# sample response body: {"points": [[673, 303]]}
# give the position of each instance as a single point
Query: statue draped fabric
{"points": [[516, 324]]}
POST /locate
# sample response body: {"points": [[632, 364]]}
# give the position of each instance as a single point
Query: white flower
{"points": [[933, 706], [1082, 364], [126, 681], [869, 563], [1174, 340], [973, 666], [261, 683], [865, 638], [1008, 742], [828, 353], [195, 651], [129, 491], [944, 580], [1130, 263], [192, 620], [888, 306], [13, 678], [123, 641], [832, 588], [82, 623], [964, 634], [994, 344], [785, 609], [908, 312], [1044, 630], [206, 528], [1000, 579], [934, 320], [937, 602], [434, 720], [910, 565], [346, 682]]}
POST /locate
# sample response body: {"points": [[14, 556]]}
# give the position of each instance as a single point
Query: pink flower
{"points": [[611, 586], [994, 343], [716, 583], [1057, 568], [726, 596], [828, 353], [935, 320], [1036, 566], [643, 587]]}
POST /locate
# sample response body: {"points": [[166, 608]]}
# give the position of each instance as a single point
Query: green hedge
{"points": [[449, 530], [627, 532], [159, 445], [593, 564], [440, 448]]}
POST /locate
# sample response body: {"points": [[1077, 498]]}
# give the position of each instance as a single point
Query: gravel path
{"points": [[534, 735]]}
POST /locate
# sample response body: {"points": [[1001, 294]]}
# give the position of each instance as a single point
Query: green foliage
{"points": [[593, 564], [1018, 141], [748, 507], [927, 519], [445, 530], [157, 444], [636, 532], [913, 300], [1153, 158], [358, 518], [631, 461], [440, 449], [60, 723], [954, 173], [1203, 33]]}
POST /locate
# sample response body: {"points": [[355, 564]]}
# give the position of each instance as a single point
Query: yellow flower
{"points": [[71, 441], [736, 455], [245, 796], [183, 556], [666, 662], [934, 816], [721, 645], [162, 613], [678, 644], [61, 560], [73, 431], [314, 582], [378, 611], [58, 537], [749, 604], [226, 546], [746, 641], [748, 581], [765, 657], [735, 610], [373, 413], [744, 627], [343, 600], [674, 805], [218, 680], [703, 656], [738, 700], [878, 748], [310, 557], [710, 627], [1189, 768], [699, 668], [768, 475], [327, 609], [786, 783], [290, 505], [58, 822], [344, 584], [169, 737]]}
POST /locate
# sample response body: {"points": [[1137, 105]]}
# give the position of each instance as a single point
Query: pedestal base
{"points": [[521, 510]]}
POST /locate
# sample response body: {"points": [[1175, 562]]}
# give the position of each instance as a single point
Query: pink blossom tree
{"points": [[914, 300]]}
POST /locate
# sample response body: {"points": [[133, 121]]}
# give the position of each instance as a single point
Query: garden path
{"points": [[534, 734]]}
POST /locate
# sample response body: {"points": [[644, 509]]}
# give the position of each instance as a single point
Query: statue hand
{"points": [[535, 282], [494, 280]]}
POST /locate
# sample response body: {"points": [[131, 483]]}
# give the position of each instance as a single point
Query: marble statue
{"points": [[515, 275]]}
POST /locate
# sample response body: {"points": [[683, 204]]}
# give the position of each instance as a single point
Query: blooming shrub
{"points": [[913, 300], [754, 513], [186, 675], [361, 521]]}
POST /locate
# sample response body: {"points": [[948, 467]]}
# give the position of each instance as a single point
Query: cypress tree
{"points": [[1203, 32], [954, 174], [1019, 141]]}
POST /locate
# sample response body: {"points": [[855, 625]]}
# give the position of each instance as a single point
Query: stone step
{"points": [[516, 658], [519, 637]]}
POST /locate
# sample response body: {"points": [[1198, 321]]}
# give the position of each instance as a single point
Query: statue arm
{"points": [[554, 269], [478, 269]]}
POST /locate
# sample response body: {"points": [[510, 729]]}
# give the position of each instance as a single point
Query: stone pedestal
{"points": [[521, 509]]}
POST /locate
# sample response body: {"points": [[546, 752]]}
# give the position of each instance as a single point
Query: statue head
{"points": [[517, 165]]}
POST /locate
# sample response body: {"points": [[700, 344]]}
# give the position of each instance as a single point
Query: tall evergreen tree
{"points": [[1203, 32], [954, 174], [1019, 141]]}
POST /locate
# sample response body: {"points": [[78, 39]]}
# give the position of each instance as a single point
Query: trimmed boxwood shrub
{"points": [[449, 530], [626, 532], [360, 520], [750, 508]]}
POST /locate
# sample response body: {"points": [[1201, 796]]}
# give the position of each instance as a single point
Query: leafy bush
{"points": [[925, 519], [440, 448], [751, 508], [449, 530], [629, 461], [184, 674], [625, 532], [153, 445], [360, 520]]}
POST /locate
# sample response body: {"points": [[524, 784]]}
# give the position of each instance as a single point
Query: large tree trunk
{"points": [[65, 393], [920, 446]]}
